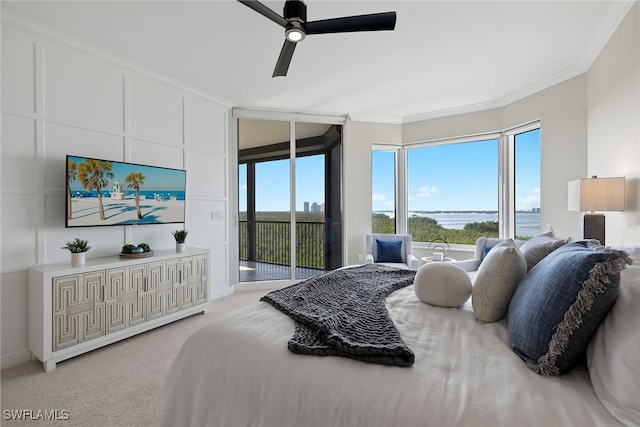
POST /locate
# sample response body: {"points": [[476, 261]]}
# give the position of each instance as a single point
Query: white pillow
{"points": [[442, 284], [613, 355], [496, 281]]}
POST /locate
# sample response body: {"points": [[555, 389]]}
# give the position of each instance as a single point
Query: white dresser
{"points": [[73, 310]]}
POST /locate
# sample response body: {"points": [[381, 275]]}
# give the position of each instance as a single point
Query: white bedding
{"points": [[238, 372]]}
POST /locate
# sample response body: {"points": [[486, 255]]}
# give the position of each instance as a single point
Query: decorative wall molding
{"points": [[44, 32]]}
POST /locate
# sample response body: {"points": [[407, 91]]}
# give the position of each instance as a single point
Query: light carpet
{"points": [[117, 385]]}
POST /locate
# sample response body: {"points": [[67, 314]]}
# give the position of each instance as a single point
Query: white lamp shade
{"points": [[597, 194]]}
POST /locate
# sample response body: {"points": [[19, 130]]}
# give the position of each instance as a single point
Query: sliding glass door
{"points": [[289, 180]]}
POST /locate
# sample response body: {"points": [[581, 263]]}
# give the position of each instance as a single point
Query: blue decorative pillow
{"points": [[485, 251], [389, 251], [560, 303]]}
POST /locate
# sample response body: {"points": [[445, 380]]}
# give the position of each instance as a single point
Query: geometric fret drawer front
{"points": [[188, 269], [195, 272], [200, 279], [78, 309], [163, 278], [124, 297]]}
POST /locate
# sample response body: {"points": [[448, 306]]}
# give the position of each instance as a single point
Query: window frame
{"points": [[506, 175]]}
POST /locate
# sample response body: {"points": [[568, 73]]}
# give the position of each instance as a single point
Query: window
{"points": [[458, 190], [383, 186], [527, 183], [453, 191]]}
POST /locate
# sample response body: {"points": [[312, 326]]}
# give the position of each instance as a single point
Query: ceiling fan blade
{"points": [[284, 59], [372, 22], [265, 11]]}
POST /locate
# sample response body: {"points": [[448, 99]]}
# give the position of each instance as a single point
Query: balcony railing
{"points": [[272, 243]]}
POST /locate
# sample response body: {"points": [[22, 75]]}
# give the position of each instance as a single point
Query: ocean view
{"points": [[527, 223]]}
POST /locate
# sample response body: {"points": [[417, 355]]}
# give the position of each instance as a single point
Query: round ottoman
{"points": [[442, 284]]}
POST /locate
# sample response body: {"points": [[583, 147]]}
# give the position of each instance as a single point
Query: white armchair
{"points": [[389, 253], [483, 244]]}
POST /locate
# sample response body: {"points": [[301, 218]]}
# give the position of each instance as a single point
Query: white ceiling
{"points": [[444, 57]]}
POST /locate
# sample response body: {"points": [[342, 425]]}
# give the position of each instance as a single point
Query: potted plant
{"points": [[180, 236], [78, 249]]}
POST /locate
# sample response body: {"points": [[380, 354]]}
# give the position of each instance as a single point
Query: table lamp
{"points": [[596, 194]]}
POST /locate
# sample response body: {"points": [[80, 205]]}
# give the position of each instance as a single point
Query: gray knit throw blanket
{"points": [[343, 313]]}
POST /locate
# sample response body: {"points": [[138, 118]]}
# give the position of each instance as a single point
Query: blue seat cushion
{"points": [[389, 251], [560, 303]]}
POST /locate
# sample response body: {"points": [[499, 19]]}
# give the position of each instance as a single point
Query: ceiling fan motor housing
{"points": [[295, 9]]}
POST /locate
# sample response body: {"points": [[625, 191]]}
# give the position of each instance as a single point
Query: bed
{"points": [[238, 371]]}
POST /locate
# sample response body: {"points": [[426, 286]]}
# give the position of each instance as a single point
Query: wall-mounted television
{"points": [[105, 192]]}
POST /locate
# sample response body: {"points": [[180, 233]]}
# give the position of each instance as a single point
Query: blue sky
{"points": [[458, 177], [442, 178], [273, 188]]}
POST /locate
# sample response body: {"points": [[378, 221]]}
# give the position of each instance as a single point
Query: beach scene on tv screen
{"points": [[102, 192]]}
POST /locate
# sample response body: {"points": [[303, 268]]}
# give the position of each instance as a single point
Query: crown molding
{"points": [[375, 119], [616, 15], [40, 31], [603, 34]]}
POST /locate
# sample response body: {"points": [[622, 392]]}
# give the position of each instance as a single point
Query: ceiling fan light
{"points": [[294, 32]]}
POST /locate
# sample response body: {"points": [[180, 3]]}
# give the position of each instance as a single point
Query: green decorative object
{"points": [[180, 235], [77, 246]]}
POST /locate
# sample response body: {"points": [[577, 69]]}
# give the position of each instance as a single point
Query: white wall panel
{"points": [[14, 306], [218, 280], [18, 74], [205, 125], [209, 219], [148, 153], [206, 175], [155, 111], [61, 140], [18, 232], [104, 241], [18, 153], [82, 90], [158, 236]]}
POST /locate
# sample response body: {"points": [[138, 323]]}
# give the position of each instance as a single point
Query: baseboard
{"points": [[221, 293], [15, 359], [263, 285]]}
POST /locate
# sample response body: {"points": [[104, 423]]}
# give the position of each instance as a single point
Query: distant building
{"points": [[306, 207]]}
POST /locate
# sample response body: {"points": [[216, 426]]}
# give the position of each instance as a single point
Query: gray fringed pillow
{"points": [[538, 247], [559, 305]]}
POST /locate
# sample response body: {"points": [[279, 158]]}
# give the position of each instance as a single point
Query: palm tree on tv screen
{"points": [[94, 174], [71, 175], [135, 180]]}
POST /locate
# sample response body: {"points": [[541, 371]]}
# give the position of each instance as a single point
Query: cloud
{"points": [[426, 191], [532, 200], [379, 197]]}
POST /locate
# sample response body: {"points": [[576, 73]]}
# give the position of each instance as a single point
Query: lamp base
{"points": [[593, 227]]}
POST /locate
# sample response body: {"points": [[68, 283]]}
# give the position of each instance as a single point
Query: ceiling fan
{"points": [[294, 21]]}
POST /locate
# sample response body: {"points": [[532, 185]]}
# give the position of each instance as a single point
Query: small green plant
{"points": [[77, 246], [128, 248], [131, 249], [180, 235]]}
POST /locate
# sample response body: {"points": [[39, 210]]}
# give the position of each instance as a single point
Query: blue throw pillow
{"points": [[558, 306], [389, 251], [485, 251]]}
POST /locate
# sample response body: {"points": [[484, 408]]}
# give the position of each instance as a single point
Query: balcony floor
{"points": [[251, 271]]}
